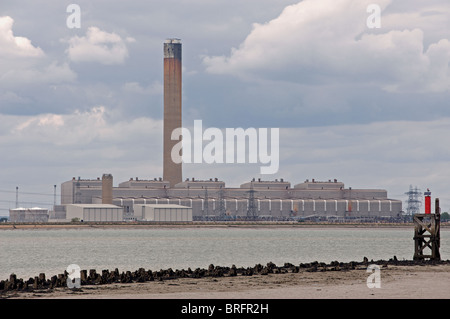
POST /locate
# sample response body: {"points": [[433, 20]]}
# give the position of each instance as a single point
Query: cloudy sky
{"points": [[367, 106]]}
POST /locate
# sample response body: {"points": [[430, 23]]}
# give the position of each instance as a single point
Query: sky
{"points": [[356, 98]]}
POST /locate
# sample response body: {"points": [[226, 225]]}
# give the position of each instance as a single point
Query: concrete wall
{"points": [[58, 213], [266, 184], [94, 213], [80, 191], [28, 215], [211, 184], [137, 183], [276, 207], [163, 213], [320, 185]]}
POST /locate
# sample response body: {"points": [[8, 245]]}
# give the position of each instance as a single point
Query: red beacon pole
{"points": [[430, 223], [427, 201]]}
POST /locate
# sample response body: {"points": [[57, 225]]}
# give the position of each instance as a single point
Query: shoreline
{"points": [[196, 224], [399, 279], [316, 280]]}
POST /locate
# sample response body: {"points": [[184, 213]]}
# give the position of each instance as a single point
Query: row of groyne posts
{"points": [[426, 243], [427, 237]]}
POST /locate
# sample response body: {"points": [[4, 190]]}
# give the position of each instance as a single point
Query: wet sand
{"points": [[397, 282]]}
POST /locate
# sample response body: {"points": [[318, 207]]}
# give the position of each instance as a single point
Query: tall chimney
{"points": [[172, 172], [107, 189]]}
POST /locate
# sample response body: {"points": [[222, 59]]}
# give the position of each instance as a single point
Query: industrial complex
{"points": [[212, 200], [171, 198]]}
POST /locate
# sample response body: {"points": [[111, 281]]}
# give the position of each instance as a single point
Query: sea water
{"points": [[28, 252]]}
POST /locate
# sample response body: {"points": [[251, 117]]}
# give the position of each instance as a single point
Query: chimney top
{"points": [[172, 40]]}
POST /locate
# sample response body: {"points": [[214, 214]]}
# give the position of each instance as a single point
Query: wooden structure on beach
{"points": [[427, 234]]}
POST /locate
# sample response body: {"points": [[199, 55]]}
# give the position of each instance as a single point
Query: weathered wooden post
{"points": [[427, 234], [438, 228]]}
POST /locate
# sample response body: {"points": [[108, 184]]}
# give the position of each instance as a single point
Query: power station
{"points": [[211, 199]]}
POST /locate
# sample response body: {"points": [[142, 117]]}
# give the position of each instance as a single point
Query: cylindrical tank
{"points": [[427, 202]]}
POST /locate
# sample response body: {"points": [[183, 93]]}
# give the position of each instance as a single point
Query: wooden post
{"points": [[427, 234], [438, 228]]}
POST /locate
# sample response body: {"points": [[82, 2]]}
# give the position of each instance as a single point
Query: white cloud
{"points": [[98, 46], [14, 46], [329, 39], [63, 130], [90, 130], [23, 63]]}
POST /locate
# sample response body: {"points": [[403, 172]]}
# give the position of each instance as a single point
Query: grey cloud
{"points": [[309, 43]]}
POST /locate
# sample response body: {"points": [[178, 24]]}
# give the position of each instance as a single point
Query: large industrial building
{"points": [[94, 213], [211, 199]]}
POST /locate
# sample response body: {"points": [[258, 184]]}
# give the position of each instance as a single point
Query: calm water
{"points": [[30, 252]]}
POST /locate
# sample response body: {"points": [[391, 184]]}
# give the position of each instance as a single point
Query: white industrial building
{"points": [[28, 215], [162, 213], [94, 212]]}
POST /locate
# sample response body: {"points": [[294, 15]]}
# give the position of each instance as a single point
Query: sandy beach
{"points": [[396, 282]]}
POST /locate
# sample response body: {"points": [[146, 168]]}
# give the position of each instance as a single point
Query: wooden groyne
{"points": [[43, 282]]}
